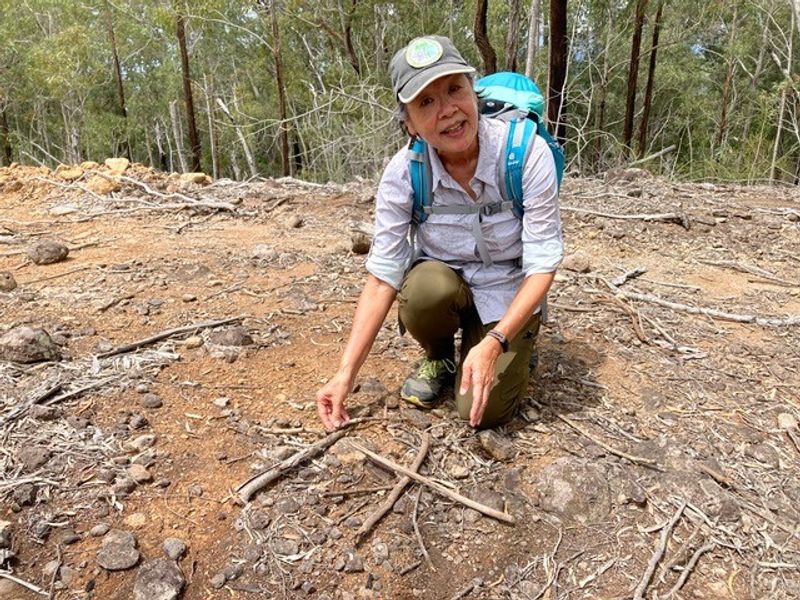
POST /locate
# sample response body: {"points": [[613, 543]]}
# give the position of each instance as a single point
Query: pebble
{"points": [[496, 445], [194, 341], [353, 562], [7, 282], [47, 252], [217, 581], [151, 401], [99, 530], [189, 298], [787, 421], [139, 474], [118, 551], [286, 547], [335, 533], [195, 490], [143, 442], [142, 388], [221, 402], [287, 506], [175, 548]]}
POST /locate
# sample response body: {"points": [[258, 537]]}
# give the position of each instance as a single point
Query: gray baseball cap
{"points": [[421, 61]]}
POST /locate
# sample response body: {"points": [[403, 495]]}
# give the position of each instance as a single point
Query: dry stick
{"points": [[771, 277], [647, 462], [25, 584], [190, 202], [41, 279], [688, 569], [356, 491], [417, 533], [709, 312], [473, 585], [168, 333], [395, 494], [482, 508], [638, 593], [252, 486], [673, 217]]}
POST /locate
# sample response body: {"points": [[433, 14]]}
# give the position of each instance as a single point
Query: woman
{"points": [[444, 280]]}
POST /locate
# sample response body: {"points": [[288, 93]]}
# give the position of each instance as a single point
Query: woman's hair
{"points": [[400, 114]]}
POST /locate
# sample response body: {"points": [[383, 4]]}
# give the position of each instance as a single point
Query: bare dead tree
{"points": [[633, 74], [602, 92], [276, 54], [651, 73], [125, 146], [482, 38], [557, 74], [208, 92], [512, 37], [726, 87], [533, 36], [194, 137]]}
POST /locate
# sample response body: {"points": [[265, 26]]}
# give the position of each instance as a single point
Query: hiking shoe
{"points": [[424, 386]]}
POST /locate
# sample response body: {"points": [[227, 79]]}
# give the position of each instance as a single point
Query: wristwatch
{"points": [[500, 337]]}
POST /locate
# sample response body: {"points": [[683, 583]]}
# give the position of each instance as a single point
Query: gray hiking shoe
{"points": [[424, 386]]}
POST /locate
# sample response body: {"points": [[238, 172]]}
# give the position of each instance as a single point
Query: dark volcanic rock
{"points": [[28, 345], [47, 252], [118, 551], [233, 336], [159, 579], [575, 491]]}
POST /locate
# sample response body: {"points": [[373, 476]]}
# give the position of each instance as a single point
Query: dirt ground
{"points": [[653, 434]]}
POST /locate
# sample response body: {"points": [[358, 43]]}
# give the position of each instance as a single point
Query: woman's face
{"points": [[445, 114]]}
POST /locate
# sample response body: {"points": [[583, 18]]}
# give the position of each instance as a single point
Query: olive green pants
{"points": [[434, 302]]}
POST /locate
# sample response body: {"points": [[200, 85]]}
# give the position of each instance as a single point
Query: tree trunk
{"points": [[557, 74], [633, 75], [5, 138], [178, 135], [726, 87], [533, 37], [212, 136], [125, 146], [602, 94], [651, 73], [482, 38], [194, 138], [162, 157], [512, 38], [774, 168], [251, 163], [282, 106], [347, 31]]}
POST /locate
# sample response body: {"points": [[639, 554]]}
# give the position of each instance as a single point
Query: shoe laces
{"points": [[431, 369]]}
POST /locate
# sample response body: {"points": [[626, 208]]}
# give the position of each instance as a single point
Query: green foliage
{"points": [[57, 82]]}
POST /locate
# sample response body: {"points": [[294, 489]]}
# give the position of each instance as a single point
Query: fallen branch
{"points": [[255, 484], [25, 584], [396, 492], [647, 462], [687, 570], [788, 321], [751, 270], [473, 585], [673, 217], [658, 154], [417, 532], [166, 334], [638, 593], [482, 508]]}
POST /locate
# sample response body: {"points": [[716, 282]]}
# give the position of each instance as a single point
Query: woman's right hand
{"points": [[330, 402]]}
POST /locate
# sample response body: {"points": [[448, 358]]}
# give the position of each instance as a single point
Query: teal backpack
{"points": [[513, 98]]}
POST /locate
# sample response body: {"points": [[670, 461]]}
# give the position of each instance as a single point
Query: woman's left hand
{"points": [[478, 372]]}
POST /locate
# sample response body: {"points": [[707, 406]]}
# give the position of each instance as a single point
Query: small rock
{"points": [[259, 520], [70, 173], [353, 522], [189, 298], [578, 262], [138, 422], [88, 165], [118, 551], [117, 165], [124, 487], [195, 490], [141, 443], [308, 588], [69, 537], [787, 421], [286, 547], [136, 520], [353, 562], [151, 401], [102, 185], [5, 535], [265, 253], [45, 413], [193, 342], [233, 336], [380, 552], [459, 472], [335, 533], [33, 458], [24, 494], [217, 581], [139, 474], [496, 445], [27, 345], [294, 222], [287, 506], [233, 571], [360, 243], [198, 178], [7, 282], [175, 548], [99, 530], [159, 579], [220, 402], [47, 252]]}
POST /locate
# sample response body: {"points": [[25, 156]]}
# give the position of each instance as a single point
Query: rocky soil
{"points": [[162, 337]]}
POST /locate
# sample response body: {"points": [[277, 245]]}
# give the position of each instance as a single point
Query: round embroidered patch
{"points": [[422, 52]]}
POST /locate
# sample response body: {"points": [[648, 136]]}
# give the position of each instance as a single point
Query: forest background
{"points": [[700, 90]]}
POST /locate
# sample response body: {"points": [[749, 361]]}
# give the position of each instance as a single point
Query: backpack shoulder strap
{"points": [[515, 152], [419, 167]]}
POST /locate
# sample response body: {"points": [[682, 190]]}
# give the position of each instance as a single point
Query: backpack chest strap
{"points": [[479, 210]]}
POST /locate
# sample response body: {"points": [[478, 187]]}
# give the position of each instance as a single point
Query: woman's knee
{"points": [[430, 287]]}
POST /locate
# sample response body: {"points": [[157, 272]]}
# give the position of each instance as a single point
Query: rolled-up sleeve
{"points": [[390, 254], [542, 240]]}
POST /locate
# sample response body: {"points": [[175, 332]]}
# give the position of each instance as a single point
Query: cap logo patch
{"points": [[422, 52]]}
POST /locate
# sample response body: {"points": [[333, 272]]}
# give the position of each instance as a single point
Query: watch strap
{"points": [[500, 337]]}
